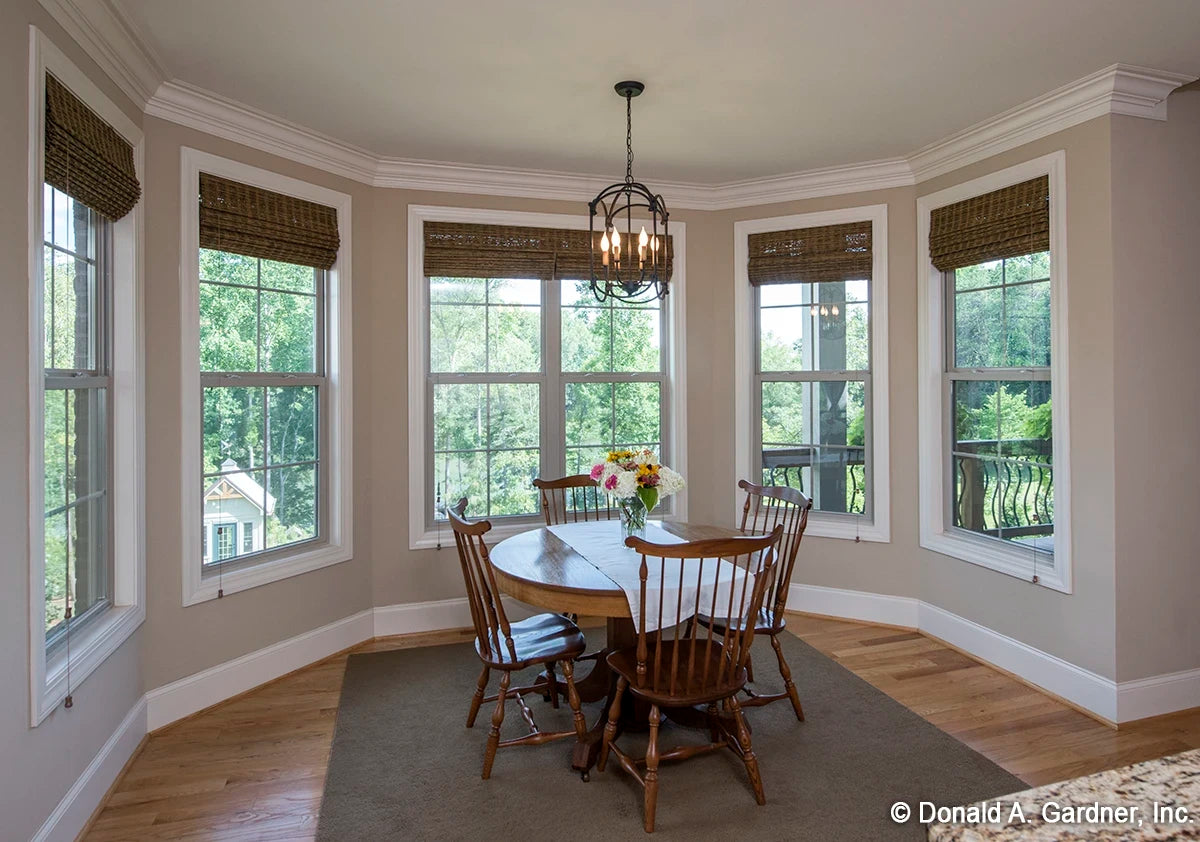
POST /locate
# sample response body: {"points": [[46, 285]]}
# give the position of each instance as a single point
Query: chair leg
{"points": [[610, 728], [573, 700], [650, 801], [477, 699], [494, 734], [743, 736], [750, 668], [552, 684], [787, 679]]}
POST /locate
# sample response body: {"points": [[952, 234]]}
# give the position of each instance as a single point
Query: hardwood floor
{"points": [[254, 767]]}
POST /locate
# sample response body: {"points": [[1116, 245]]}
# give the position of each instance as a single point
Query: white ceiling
{"points": [[734, 90]]}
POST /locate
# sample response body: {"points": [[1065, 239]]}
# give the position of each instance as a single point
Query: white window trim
{"points": [[418, 292], [337, 460], [822, 525], [90, 647], [936, 534]]}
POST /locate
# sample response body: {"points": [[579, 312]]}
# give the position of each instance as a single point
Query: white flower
{"points": [[626, 485], [669, 482]]}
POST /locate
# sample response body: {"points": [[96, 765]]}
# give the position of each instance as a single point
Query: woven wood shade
{"points": [[86, 158], [468, 250], [1004, 223], [811, 255], [247, 220]]}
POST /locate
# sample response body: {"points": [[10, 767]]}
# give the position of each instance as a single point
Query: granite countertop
{"points": [[1156, 800]]}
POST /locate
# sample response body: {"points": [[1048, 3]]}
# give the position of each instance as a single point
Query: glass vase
{"points": [[633, 516]]}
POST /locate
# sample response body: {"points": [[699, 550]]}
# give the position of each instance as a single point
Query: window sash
{"points": [[97, 379], [215, 565], [552, 382], [953, 374], [815, 376]]}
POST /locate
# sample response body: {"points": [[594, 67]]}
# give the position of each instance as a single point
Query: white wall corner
{"points": [[89, 789], [437, 615], [1157, 695], [111, 41], [206, 688]]}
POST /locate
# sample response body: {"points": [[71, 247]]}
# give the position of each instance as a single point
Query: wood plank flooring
{"points": [[253, 768]]}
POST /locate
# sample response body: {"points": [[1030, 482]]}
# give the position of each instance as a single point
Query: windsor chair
{"points": [[544, 639], [722, 575], [573, 499], [765, 508]]}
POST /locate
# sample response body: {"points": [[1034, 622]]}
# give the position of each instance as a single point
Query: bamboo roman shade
{"points": [[1004, 223], [86, 158], [252, 221], [811, 255], [469, 250]]}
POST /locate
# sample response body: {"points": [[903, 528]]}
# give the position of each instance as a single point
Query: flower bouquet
{"points": [[637, 483]]}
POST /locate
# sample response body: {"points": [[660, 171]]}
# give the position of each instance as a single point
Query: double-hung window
{"points": [[86, 563], [815, 370], [521, 371], [266, 345], [995, 303]]}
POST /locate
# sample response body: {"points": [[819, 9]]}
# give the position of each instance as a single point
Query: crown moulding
{"points": [[114, 44]]}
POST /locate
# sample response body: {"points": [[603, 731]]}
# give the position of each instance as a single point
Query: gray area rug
{"points": [[403, 765]]}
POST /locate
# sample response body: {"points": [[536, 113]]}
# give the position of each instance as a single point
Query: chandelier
{"points": [[629, 264]]}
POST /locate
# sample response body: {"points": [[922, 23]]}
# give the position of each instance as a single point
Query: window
{"points": [[262, 361], [811, 364], [266, 343], [86, 517], [78, 395], [527, 376], [993, 451]]}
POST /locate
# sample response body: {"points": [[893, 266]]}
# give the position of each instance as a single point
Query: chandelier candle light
{"points": [[637, 482], [632, 266]]}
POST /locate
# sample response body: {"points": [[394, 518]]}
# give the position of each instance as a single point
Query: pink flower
{"points": [[611, 482], [597, 470]]}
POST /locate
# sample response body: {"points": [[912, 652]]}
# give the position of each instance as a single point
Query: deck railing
{"points": [[785, 466], [1005, 489]]}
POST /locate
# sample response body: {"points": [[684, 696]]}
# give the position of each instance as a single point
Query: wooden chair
{"points": [[767, 507], [669, 671], [509, 647], [572, 499]]}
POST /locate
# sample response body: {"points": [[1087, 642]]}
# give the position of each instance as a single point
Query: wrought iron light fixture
{"points": [[629, 264]]}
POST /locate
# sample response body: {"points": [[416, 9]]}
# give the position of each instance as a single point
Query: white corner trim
{"points": [[1117, 89], [820, 525], [854, 605], [203, 689], [109, 40], [85, 795], [932, 447], [1157, 695]]}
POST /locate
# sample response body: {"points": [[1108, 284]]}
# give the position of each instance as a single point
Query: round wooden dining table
{"points": [[541, 569]]}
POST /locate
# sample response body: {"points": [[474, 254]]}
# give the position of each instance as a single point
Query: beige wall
{"points": [[186, 640], [1156, 244], [37, 765], [1078, 627]]}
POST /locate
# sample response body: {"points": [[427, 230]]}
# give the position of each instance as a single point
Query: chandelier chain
{"points": [[628, 138]]}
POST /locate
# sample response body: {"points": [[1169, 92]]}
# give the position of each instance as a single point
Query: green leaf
{"points": [[649, 497]]}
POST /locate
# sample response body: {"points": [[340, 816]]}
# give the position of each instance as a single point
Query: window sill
{"points": [[88, 651], [206, 586], [845, 528], [989, 553]]}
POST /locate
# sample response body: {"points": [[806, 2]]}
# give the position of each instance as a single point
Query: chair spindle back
{"points": [[767, 507], [487, 611], [573, 499], [729, 578]]}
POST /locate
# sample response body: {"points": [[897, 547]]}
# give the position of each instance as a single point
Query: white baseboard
{"points": [[203, 689], [411, 617], [1158, 694], [84, 796], [854, 605], [1075, 684]]}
